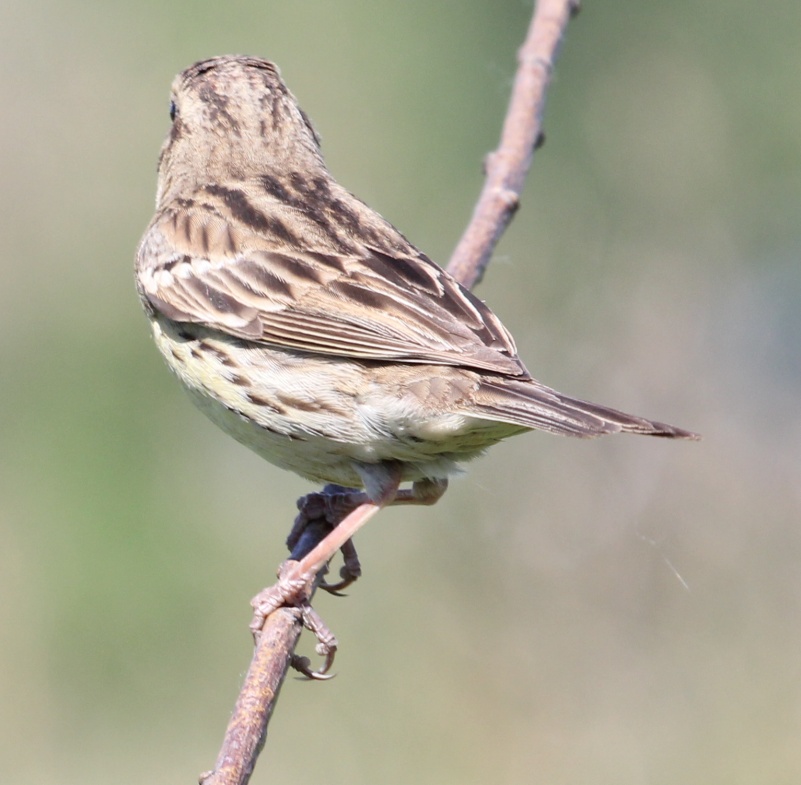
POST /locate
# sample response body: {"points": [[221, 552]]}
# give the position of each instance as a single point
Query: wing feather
{"points": [[364, 303]]}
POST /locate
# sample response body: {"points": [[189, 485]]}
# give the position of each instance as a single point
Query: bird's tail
{"points": [[532, 405]]}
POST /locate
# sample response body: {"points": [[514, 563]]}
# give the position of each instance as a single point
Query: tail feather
{"points": [[532, 405]]}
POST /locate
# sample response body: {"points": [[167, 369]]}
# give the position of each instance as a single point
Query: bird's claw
{"points": [[326, 646], [303, 666], [348, 576]]}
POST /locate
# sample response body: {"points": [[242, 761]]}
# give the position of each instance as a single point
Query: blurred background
{"points": [[625, 610]]}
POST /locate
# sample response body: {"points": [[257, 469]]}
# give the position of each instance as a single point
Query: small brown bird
{"points": [[309, 328]]}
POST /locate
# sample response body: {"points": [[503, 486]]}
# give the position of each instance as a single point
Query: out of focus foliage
{"points": [[620, 611]]}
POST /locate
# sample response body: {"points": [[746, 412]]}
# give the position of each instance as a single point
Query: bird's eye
{"points": [[173, 110]]}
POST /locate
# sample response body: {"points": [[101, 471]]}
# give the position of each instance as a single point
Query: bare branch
{"points": [[506, 168], [247, 729], [275, 644], [506, 171]]}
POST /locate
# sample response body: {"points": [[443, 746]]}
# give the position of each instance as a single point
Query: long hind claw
{"points": [[326, 642], [349, 573]]}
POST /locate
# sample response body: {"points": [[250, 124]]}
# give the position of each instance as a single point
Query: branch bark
{"points": [[506, 170]]}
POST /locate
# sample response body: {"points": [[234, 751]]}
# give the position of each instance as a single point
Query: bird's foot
{"points": [[293, 589]]}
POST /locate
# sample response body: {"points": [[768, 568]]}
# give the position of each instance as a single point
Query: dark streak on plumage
{"points": [[327, 260], [310, 199], [330, 230], [230, 242], [298, 182], [275, 107], [263, 426], [358, 293], [187, 229], [219, 301], [170, 263], [273, 186], [388, 267], [347, 219], [267, 403], [320, 187], [222, 357], [292, 267], [300, 404], [265, 278], [242, 210], [218, 109]]}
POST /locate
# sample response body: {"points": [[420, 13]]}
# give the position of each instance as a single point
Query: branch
{"points": [[247, 728], [506, 171], [507, 167]]}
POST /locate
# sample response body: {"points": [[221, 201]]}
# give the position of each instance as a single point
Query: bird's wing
{"points": [[197, 265]]}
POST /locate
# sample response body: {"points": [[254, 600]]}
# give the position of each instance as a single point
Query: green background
{"points": [[619, 611]]}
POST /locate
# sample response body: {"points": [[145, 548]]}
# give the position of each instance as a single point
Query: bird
{"points": [[308, 327]]}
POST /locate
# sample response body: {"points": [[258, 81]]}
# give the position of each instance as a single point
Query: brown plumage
{"points": [[304, 323]]}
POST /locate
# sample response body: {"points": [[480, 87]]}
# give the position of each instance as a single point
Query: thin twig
{"points": [[506, 168], [275, 644], [506, 171], [247, 728]]}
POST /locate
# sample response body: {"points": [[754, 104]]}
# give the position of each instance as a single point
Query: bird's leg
{"points": [[334, 503], [424, 492], [296, 577], [294, 585], [330, 506], [381, 483]]}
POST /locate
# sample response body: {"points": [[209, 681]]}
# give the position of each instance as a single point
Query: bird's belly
{"points": [[317, 416]]}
